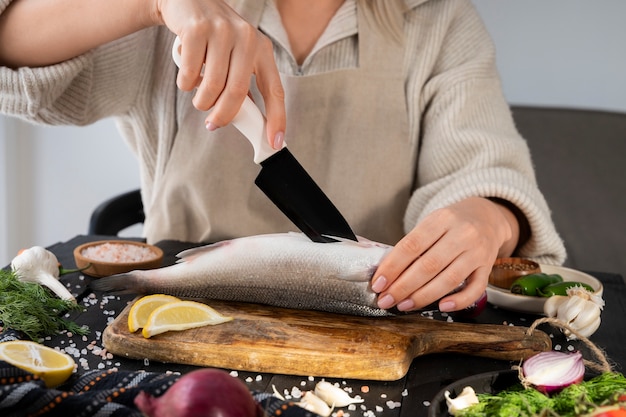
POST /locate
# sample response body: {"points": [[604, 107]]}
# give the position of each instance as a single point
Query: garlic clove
{"points": [[552, 304], [334, 395], [315, 404], [589, 329], [466, 398], [570, 309], [587, 316]]}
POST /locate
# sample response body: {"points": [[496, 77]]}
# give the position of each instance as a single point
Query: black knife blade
{"points": [[285, 182], [296, 194]]}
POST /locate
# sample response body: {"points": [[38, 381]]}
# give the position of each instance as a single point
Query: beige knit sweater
{"points": [[459, 122]]}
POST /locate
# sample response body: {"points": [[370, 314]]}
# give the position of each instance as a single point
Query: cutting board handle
{"points": [[486, 340]]}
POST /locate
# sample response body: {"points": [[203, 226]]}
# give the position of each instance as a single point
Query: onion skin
{"points": [[552, 371], [202, 393]]}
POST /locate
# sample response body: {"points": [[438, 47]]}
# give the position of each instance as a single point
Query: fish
{"points": [[281, 269]]}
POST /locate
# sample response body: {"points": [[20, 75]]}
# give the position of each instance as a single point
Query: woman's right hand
{"points": [[213, 35]]}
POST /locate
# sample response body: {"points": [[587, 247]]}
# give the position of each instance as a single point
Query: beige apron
{"points": [[349, 130]]}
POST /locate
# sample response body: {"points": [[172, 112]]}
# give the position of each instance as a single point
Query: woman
{"points": [[394, 107]]}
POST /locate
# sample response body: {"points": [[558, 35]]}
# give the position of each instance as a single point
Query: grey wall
{"points": [[555, 53]]}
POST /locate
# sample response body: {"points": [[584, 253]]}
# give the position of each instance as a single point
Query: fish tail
{"points": [[118, 284]]}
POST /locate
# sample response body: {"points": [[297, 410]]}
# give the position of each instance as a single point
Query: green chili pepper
{"points": [[561, 288], [531, 284]]}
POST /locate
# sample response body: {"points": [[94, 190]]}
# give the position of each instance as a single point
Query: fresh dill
{"points": [[574, 400], [33, 310]]}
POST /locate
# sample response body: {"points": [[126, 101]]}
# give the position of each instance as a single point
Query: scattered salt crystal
{"points": [[405, 392], [146, 362], [393, 404], [259, 378], [383, 395], [234, 373], [248, 379], [450, 319], [379, 409], [426, 403], [101, 365], [557, 347], [571, 348], [296, 393]]}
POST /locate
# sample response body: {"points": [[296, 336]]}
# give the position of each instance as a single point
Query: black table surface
{"points": [[409, 396]]}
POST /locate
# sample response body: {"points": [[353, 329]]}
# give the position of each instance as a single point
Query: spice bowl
{"points": [[109, 257], [506, 270]]}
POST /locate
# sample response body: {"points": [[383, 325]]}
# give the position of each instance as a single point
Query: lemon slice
{"points": [[140, 311], [52, 366], [181, 315]]}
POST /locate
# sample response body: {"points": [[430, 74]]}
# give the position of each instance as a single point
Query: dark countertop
{"points": [[409, 396]]}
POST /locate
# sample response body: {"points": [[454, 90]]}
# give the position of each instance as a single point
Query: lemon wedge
{"points": [[141, 310], [181, 315], [52, 366]]}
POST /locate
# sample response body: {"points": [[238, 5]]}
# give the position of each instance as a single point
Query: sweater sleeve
{"points": [[101, 83], [469, 145]]}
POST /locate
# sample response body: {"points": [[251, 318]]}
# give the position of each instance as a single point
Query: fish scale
{"points": [[283, 270]]}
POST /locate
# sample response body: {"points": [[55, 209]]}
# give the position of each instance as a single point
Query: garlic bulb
{"points": [[466, 398], [333, 395], [580, 310], [41, 266]]}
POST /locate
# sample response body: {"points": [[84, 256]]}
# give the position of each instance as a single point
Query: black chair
{"points": [[116, 214]]}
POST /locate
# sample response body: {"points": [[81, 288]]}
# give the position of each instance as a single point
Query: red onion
{"points": [[552, 371], [202, 393]]}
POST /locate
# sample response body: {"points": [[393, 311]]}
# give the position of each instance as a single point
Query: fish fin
{"points": [[189, 255], [118, 284], [361, 242]]}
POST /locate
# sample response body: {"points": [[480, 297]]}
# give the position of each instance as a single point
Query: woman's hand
{"points": [[231, 50], [452, 245]]}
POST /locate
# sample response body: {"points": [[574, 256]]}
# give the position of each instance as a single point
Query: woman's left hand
{"points": [[452, 245]]}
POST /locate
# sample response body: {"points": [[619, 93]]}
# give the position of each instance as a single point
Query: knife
{"points": [[284, 181]]}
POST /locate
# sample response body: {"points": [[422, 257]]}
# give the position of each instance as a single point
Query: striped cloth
{"points": [[102, 393]]}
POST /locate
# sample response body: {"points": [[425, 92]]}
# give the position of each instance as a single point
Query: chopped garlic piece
{"points": [[466, 398]]}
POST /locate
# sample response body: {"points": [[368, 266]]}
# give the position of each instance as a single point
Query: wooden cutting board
{"points": [[310, 343]]}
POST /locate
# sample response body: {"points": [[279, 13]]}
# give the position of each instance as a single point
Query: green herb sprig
{"points": [[33, 309], [574, 400]]}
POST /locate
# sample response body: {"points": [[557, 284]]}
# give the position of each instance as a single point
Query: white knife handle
{"points": [[249, 121]]}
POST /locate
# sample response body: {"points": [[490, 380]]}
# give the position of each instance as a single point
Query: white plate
{"points": [[534, 305]]}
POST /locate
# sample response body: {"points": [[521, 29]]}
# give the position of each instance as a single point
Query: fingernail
{"points": [[447, 306], [210, 126], [386, 301], [379, 284], [405, 305], [279, 140]]}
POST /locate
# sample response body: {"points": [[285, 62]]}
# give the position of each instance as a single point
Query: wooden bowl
{"points": [[109, 257], [506, 270]]}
